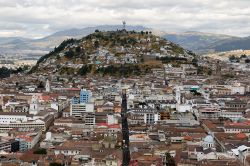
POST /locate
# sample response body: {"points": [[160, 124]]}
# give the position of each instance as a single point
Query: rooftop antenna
{"points": [[124, 25]]}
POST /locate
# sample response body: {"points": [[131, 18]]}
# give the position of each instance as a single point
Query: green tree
{"points": [[56, 164], [195, 62], [209, 72], [85, 70], [40, 151], [78, 49], [96, 44], [142, 59], [41, 85], [169, 160], [4, 72], [243, 56], [233, 58], [69, 54]]}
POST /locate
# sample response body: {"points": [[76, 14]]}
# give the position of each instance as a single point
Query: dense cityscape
{"points": [[179, 112], [125, 95]]}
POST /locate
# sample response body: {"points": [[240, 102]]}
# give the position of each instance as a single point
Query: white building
{"points": [[183, 108], [6, 118], [78, 110], [11, 120], [47, 86], [238, 90], [208, 142], [34, 105], [233, 114]]}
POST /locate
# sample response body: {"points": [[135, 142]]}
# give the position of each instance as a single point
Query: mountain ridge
{"points": [[198, 42]]}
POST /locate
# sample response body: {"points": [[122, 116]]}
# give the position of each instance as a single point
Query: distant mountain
{"points": [[13, 40], [233, 44], [79, 33], [225, 55], [23, 46], [199, 42], [55, 39]]}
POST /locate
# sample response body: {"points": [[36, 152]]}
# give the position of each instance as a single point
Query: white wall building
{"points": [[6, 118], [183, 108], [78, 110], [238, 90]]}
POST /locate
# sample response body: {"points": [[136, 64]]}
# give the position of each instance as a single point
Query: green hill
{"points": [[105, 52]]}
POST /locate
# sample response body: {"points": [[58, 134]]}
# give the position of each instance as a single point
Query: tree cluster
{"points": [[169, 59], [125, 70], [40, 151], [5, 72], [85, 70]]}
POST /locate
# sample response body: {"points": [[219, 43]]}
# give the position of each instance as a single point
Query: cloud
{"points": [[42, 17]]}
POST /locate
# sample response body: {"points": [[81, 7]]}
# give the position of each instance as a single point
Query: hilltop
{"points": [[104, 53]]}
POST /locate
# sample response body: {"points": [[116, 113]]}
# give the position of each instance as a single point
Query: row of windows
{"points": [[238, 130], [236, 106], [12, 118], [78, 106], [66, 152]]}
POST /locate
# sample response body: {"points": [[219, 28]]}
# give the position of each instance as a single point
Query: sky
{"points": [[39, 18]]}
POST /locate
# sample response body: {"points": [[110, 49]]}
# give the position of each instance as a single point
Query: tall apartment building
{"points": [[85, 96], [82, 104]]}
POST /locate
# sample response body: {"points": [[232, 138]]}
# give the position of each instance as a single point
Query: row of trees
{"points": [[233, 58], [114, 70], [120, 70], [85, 70], [171, 59], [5, 72]]}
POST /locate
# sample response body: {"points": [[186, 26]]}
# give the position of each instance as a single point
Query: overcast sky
{"points": [[38, 18]]}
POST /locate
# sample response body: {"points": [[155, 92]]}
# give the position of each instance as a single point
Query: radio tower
{"points": [[125, 131]]}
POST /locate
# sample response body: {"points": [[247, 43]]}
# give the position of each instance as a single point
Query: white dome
{"points": [[209, 139]]}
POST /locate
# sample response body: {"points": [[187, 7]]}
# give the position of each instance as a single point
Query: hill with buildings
{"points": [[105, 52]]}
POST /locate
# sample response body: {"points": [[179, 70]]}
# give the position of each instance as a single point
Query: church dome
{"points": [[209, 139]]}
